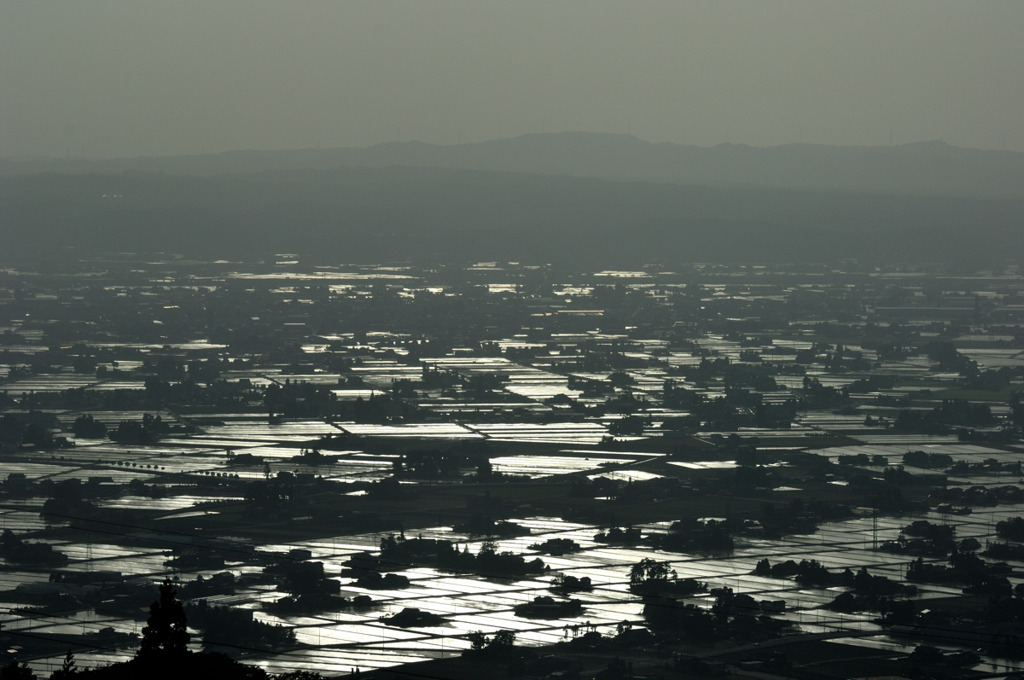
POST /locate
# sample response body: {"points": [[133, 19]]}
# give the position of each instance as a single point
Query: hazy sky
{"points": [[124, 77]]}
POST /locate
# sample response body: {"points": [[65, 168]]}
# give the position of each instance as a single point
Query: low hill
{"points": [[929, 168]]}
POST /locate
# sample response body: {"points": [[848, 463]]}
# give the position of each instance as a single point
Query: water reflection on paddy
{"points": [[558, 433], [470, 603], [283, 431], [425, 430], [539, 466], [165, 504]]}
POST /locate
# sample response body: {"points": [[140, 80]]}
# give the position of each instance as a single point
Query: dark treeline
{"points": [[452, 215]]}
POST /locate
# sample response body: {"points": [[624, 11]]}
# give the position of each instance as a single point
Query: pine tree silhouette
{"points": [[166, 632]]}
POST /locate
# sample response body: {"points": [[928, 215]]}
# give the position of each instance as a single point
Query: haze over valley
{"points": [[586, 340]]}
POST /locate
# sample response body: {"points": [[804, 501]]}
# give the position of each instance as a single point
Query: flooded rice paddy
{"points": [[605, 379]]}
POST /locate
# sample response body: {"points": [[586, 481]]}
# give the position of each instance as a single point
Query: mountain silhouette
{"points": [[927, 168]]}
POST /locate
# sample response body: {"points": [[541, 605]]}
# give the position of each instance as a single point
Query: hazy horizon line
{"points": [[396, 142]]}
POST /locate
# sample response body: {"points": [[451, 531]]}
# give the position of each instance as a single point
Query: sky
{"points": [[113, 78]]}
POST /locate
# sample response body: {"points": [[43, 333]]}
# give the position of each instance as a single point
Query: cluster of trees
{"points": [[498, 647], [965, 568], [694, 536], [1004, 551], [411, 617], [730, 615], [756, 376], [983, 495], [484, 386], [986, 466], [222, 583], [650, 577], [814, 395], [545, 607], [374, 580], [30, 430], [628, 491], [862, 458], [148, 430], [304, 400], [445, 555], [926, 539], [866, 589], [739, 407], [164, 647], [950, 413], [808, 573], [16, 551], [236, 627], [1012, 528], [87, 427], [557, 546], [945, 354], [564, 584], [925, 459], [309, 590], [617, 536]]}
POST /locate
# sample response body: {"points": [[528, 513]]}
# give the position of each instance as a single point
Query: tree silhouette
{"points": [[67, 670], [166, 631], [13, 671], [650, 570]]}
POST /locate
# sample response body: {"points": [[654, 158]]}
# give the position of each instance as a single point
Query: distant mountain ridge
{"points": [[925, 168]]}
